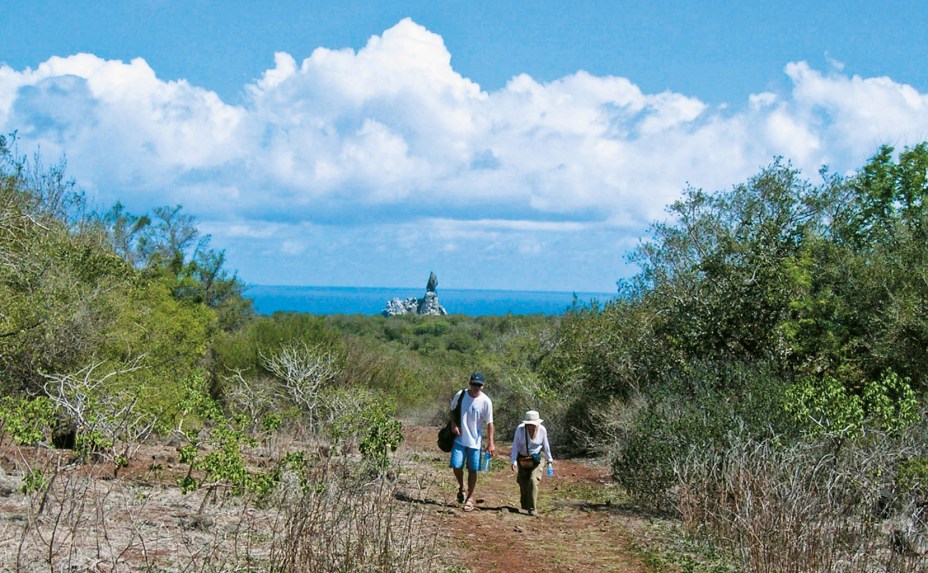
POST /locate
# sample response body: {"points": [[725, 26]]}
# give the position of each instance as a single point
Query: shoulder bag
{"points": [[528, 461], [445, 434]]}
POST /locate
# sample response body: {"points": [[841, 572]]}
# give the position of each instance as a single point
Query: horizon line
{"points": [[422, 288]]}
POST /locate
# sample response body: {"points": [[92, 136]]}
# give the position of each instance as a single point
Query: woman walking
{"points": [[528, 443]]}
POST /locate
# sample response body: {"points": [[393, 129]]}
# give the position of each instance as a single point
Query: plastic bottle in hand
{"points": [[550, 470], [485, 461]]}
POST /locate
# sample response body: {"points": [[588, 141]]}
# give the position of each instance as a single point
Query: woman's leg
{"points": [[524, 478], [528, 488], [534, 478]]}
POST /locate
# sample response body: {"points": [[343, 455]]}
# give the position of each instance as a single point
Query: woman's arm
{"points": [[515, 444], [546, 445]]}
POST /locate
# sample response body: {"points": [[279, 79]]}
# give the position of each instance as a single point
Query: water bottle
{"points": [[485, 462], [550, 470]]}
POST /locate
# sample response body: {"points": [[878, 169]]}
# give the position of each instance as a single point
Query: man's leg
{"points": [[457, 465], [471, 482], [472, 462]]}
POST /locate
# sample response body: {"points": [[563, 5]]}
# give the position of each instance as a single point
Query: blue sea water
{"points": [[372, 300]]}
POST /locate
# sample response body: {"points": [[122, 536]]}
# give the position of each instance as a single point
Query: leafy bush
{"points": [[696, 414], [429, 327], [829, 408], [26, 421], [381, 435], [242, 350]]}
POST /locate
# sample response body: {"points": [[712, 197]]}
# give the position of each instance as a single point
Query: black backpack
{"points": [[445, 435]]}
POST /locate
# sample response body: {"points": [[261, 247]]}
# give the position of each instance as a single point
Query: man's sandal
{"points": [[469, 505], [460, 496]]}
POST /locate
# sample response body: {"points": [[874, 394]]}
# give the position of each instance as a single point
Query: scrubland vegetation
{"points": [[762, 381], [766, 371]]}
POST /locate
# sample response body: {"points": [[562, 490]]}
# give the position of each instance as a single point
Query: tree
{"points": [[874, 269], [56, 276], [719, 275], [124, 232], [170, 246]]}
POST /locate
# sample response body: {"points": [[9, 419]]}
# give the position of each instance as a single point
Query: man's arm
{"points": [[455, 429], [492, 446]]}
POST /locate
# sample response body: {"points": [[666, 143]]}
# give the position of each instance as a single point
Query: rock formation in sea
{"points": [[428, 304]]}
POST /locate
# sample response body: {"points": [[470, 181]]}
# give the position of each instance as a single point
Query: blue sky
{"points": [[504, 145]]}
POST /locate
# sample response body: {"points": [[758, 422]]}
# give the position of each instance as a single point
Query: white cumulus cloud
{"points": [[390, 142]]}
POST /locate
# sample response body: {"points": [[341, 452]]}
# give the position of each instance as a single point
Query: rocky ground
{"points": [[140, 521]]}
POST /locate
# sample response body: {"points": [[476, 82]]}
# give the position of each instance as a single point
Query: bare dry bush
{"points": [[346, 524], [56, 516], [808, 507], [304, 372], [110, 422], [613, 422], [255, 398], [69, 519]]}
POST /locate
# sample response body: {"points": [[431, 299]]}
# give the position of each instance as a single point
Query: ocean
{"points": [[372, 300]]}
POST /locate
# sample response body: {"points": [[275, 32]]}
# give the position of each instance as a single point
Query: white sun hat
{"points": [[532, 417]]}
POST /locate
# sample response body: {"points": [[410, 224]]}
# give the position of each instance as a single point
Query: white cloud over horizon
{"points": [[390, 153]]}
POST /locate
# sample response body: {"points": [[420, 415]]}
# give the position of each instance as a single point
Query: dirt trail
{"points": [[580, 527]]}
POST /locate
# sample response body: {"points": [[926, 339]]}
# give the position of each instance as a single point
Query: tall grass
{"points": [[348, 525], [810, 507]]}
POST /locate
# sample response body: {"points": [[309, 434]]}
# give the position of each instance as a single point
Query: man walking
{"points": [[476, 410]]}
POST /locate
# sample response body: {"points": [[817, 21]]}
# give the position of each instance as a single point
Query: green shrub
{"points": [[719, 401], [382, 435], [662, 436], [431, 328], [25, 420], [461, 341], [912, 475], [828, 407], [242, 350], [34, 481]]}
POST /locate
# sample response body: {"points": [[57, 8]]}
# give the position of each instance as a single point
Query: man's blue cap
{"points": [[476, 378]]}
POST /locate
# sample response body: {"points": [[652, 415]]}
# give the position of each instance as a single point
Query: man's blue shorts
{"points": [[458, 454]]}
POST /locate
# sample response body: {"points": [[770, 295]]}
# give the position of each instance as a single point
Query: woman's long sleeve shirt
{"points": [[535, 445]]}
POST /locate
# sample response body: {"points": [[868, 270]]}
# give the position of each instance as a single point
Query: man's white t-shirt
{"points": [[475, 412]]}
